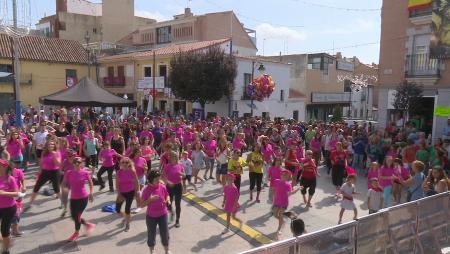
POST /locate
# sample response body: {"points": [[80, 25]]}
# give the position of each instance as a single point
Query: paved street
{"points": [[201, 223]]}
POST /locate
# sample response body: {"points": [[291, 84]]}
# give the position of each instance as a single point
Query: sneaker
{"points": [[101, 187], [212, 177], [63, 214], [127, 227], [225, 231], [136, 210], [17, 234], [111, 189], [177, 224], [89, 228], [258, 201], [73, 237]]}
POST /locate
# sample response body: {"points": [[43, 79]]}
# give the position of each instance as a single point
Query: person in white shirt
{"points": [[39, 139]]}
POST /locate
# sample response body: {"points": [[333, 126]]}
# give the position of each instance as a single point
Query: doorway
{"points": [[179, 107], [422, 116], [6, 102], [162, 106]]}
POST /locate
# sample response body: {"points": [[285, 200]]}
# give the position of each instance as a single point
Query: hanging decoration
{"points": [[261, 87]]}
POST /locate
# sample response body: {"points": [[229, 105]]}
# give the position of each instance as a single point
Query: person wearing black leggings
{"points": [[173, 173], [255, 161], [76, 180], [127, 186], [9, 191]]}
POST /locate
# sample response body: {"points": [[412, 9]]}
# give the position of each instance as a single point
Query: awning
{"points": [[418, 4]]}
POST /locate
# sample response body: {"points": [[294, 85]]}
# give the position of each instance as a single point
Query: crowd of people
{"points": [[75, 148]]}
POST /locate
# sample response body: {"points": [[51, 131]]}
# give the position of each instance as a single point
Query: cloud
{"points": [[268, 31], [152, 15]]}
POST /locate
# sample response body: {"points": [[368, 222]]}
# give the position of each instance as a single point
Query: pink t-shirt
{"points": [[66, 166], [173, 172], [48, 161], [73, 141], [371, 174], [282, 190], [274, 174], [386, 172], [231, 195], [8, 184], [18, 176], [126, 180], [238, 144], [156, 208], [128, 151], [267, 153], [188, 137], [107, 157], [147, 152], [315, 145], [210, 148], [77, 179], [63, 152], [139, 164], [13, 148]]}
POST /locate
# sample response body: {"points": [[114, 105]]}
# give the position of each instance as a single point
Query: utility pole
{"points": [[17, 70], [88, 38], [154, 82]]}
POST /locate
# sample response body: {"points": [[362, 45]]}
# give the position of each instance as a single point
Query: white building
{"points": [[283, 102]]}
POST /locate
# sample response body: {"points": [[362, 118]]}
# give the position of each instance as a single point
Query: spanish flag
{"points": [[418, 4]]}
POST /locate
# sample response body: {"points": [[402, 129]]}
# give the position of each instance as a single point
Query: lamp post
{"points": [[87, 37], [261, 68]]}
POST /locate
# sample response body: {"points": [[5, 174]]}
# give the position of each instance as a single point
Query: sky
{"points": [[287, 26]]}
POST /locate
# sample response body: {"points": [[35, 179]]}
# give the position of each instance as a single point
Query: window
{"points": [[163, 34], [71, 77], [281, 95], [120, 71], [314, 63], [347, 86], [6, 68], [247, 80], [94, 30], [110, 72], [147, 71], [62, 26], [163, 71]]}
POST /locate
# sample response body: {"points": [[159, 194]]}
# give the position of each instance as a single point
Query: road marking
{"points": [[251, 235]]}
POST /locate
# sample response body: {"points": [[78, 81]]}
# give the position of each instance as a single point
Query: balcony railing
{"points": [[420, 12], [421, 65], [114, 81]]}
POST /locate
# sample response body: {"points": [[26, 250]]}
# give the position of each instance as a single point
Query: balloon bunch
{"points": [[261, 87]]}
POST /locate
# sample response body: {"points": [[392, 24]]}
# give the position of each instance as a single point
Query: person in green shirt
{"points": [[309, 135], [422, 154], [255, 161]]}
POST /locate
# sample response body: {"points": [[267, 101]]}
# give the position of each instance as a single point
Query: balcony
{"points": [[420, 68], [114, 81], [420, 16]]}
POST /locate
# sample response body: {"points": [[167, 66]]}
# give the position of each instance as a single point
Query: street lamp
{"points": [[261, 68], [87, 38]]}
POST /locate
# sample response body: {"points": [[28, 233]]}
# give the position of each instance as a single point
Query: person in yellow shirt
{"points": [[236, 167], [255, 161]]}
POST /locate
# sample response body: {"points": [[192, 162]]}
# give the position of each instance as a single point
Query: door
{"points": [[295, 115], [6, 102], [162, 105]]}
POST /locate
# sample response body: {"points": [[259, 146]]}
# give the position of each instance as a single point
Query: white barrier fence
{"points": [[421, 226]]}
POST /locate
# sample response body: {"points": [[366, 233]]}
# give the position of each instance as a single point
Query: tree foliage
{"points": [[203, 76], [337, 115], [407, 97]]}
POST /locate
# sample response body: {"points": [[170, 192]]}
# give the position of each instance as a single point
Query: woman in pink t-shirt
{"points": [[210, 149], [140, 165], [20, 180], [50, 170], [173, 174], [108, 158], [156, 198], [15, 146], [274, 173], [230, 202], [283, 189], [76, 180], [127, 186], [8, 192], [148, 152]]}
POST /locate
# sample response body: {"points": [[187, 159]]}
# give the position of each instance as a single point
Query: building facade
{"points": [[316, 76], [281, 103], [406, 31], [47, 65], [187, 27], [105, 22]]}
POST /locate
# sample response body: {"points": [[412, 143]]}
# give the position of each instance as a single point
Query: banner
{"points": [[418, 4], [442, 111], [440, 26]]}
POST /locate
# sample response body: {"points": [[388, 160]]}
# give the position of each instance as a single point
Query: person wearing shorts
{"points": [[308, 179]]}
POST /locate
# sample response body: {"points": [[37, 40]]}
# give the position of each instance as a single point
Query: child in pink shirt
{"points": [[283, 189], [230, 200], [274, 174], [372, 173]]}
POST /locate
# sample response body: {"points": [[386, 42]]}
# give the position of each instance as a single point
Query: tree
{"points": [[407, 98], [203, 76], [337, 115]]}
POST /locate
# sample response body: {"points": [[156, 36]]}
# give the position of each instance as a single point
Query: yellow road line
{"points": [[246, 230]]}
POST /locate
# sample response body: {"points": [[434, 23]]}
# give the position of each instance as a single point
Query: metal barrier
{"points": [[421, 226]]}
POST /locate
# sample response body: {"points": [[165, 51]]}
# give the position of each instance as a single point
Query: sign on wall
{"points": [[345, 66], [330, 97], [147, 83], [440, 26]]}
